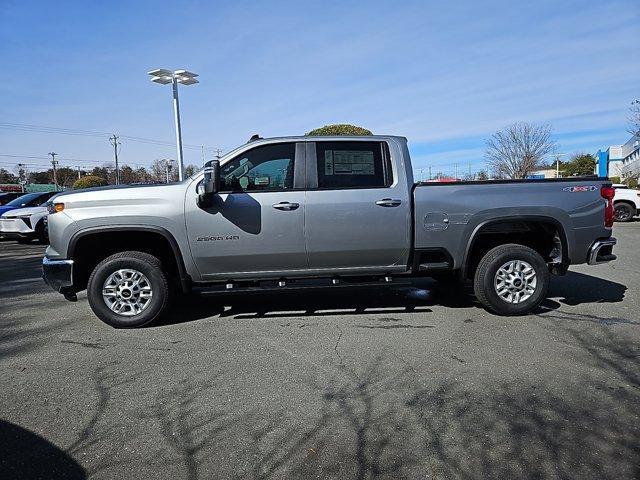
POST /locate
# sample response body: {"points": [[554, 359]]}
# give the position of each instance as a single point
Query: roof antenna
{"points": [[254, 138]]}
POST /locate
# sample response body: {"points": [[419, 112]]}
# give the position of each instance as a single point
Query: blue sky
{"points": [[444, 74]]}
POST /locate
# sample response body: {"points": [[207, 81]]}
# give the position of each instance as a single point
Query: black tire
{"points": [[624, 212], [144, 263], [485, 278], [41, 233]]}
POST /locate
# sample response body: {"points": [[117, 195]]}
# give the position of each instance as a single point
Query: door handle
{"points": [[285, 206], [388, 202]]}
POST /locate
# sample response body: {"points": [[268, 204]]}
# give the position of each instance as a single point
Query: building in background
{"points": [[620, 160], [544, 173]]}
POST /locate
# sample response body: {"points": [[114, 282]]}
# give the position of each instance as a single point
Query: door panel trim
{"points": [[299, 168], [311, 166]]}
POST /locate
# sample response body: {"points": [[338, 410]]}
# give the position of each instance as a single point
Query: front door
{"points": [[256, 226], [357, 208]]}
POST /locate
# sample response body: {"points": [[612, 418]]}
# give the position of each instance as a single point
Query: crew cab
{"points": [[294, 211]]}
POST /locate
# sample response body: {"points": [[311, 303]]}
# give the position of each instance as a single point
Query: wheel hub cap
{"points": [[127, 292], [515, 281]]}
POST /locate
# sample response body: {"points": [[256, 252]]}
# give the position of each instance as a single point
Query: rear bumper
{"points": [[58, 274], [601, 251]]}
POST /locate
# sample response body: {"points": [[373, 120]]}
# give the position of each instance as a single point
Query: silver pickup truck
{"points": [[298, 211]]}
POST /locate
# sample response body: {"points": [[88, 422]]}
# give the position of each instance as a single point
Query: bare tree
{"points": [[190, 169], [634, 118], [158, 170], [518, 149]]}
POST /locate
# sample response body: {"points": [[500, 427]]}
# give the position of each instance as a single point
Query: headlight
{"points": [[55, 207]]}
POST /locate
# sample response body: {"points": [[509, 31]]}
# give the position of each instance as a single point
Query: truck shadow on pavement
{"points": [[571, 289], [577, 288], [320, 302]]}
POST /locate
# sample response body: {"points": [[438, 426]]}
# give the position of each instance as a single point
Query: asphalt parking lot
{"points": [[398, 383]]}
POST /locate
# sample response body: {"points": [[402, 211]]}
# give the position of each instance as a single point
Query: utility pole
{"points": [[455, 167], [202, 153], [469, 170], [78, 168], [114, 141], [218, 153], [54, 163]]}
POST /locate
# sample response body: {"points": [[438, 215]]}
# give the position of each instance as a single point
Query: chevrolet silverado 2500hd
{"points": [[285, 212]]}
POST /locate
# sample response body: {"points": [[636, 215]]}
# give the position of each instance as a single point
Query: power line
{"points": [[88, 133]]}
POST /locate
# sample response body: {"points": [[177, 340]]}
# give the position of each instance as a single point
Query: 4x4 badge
{"points": [[581, 188]]}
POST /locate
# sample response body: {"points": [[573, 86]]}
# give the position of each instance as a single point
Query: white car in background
{"points": [[626, 202], [25, 224]]}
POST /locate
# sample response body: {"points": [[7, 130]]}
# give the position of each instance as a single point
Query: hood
{"points": [[4, 209], [23, 212], [123, 195]]}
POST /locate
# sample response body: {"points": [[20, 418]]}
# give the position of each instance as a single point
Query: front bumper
{"points": [[602, 251], [16, 227], [58, 274]]}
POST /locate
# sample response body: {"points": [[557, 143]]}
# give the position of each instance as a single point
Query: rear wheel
{"points": [[624, 212], [511, 280], [128, 289]]}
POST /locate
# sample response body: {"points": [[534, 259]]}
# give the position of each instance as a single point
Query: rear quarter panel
{"points": [[470, 206]]}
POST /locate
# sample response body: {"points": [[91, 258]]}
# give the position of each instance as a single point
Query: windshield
{"points": [[24, 200]]}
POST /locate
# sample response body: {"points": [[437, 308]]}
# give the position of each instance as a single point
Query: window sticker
{"points": [[348, 162]]}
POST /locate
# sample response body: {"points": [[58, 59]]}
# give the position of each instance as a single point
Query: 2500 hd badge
{"points": [[217, 238]]}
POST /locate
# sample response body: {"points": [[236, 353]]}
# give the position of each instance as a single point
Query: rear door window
{"points": [[353, 165]]}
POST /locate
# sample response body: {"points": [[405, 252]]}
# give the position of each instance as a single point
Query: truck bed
{"points": [[450, 213]]}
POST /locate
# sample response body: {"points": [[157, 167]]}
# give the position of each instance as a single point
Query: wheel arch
{"points": [[627, 201], [170, 247], [467, 263]]}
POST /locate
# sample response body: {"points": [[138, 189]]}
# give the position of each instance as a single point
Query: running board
{"points": [[299, 284], [427, 267]]}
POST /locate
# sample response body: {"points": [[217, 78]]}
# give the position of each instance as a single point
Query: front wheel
{"points": [[128, 289], [511, 280]]}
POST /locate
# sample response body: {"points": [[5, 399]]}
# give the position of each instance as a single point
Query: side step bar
{"points": [[231, 286]]}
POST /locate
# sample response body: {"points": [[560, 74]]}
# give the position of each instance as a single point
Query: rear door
{"points": [[357, 207]]}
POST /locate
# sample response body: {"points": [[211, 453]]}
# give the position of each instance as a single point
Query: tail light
{"points": [[609, 212]]}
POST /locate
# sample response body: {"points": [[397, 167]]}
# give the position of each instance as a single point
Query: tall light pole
{"points": [[184, 77]]}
